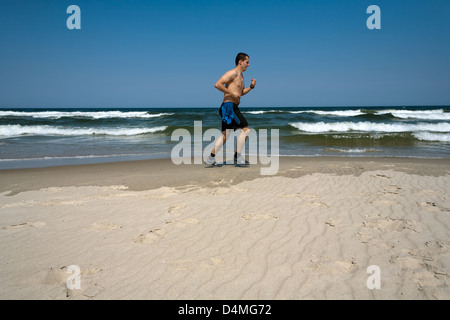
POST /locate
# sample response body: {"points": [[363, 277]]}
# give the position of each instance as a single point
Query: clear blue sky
{"points": [[170, 53]]}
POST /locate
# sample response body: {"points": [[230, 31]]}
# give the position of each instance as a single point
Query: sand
{"points": [[153, 230]]}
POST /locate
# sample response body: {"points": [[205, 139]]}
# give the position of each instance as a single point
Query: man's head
{"points": [[242, 59]]}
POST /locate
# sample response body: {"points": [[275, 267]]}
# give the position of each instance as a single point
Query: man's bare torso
{"points": [[235, 85]]}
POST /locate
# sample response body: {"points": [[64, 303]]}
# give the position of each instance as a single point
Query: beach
{"points": [[150, 229]]}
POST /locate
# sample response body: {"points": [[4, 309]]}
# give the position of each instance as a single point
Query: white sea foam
{"points": [[256, 112], [92, 156], [82, 114], [354, 150], [338, 113], [18, 130], [321, 127], [428, 136], [439, 114], [261, 111]]}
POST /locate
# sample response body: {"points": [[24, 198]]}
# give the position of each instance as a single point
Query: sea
{"points": [[51, 137]]}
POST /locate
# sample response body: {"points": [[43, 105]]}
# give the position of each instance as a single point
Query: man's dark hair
{"points": [[241, 56]]}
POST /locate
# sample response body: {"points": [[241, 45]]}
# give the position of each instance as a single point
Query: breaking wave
{"points": [[18, 130]]}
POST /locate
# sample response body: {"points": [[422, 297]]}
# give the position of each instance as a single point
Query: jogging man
{"points": [[232, 85]]}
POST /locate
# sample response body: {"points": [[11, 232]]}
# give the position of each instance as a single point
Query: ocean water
{"points": [[44, 137]]}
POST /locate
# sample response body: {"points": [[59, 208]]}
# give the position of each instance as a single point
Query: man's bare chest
{"points": [[237, 83]]}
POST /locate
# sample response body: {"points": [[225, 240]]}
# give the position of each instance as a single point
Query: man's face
{"points": [[245, 63]]}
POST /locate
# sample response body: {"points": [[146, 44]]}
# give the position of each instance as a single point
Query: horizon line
{"points": [[241, 107]]}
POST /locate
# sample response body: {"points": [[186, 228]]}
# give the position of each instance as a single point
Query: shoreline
{"points": [[37, 163], [139, 175]]}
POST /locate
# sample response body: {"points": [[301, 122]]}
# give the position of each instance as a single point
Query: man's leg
{"points": [[238, 158], [241, 139], [221, 141]]}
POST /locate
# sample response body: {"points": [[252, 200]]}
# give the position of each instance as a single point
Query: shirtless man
{"points": [[232, 85]]}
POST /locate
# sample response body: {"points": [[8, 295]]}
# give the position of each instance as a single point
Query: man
{"points": [[232, 85]]}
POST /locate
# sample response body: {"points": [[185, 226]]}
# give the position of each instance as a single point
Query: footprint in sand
{"points": [[432, 207], [157, 233], [181, 264], [255, 216], [331, 223], [428, 192], [407, 262], [176, 210], [425, 267], [215, 261], [37, 224], [329, 266], [104, 226], [60, 275], [391, 225], [89, 287], [151, 236], [347, 265], [378, 202], [91, 271], [218, 182], [220, 191], [302, 196], [436, 245], [314, 204], [183, 222], [187, 264], [313, 199], [391, 189], [56, 276], [212, 263], [381, 176], [364, 237]]}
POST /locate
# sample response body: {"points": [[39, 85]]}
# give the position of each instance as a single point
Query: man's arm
{"points": [[247, 90], [226, 78]]}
